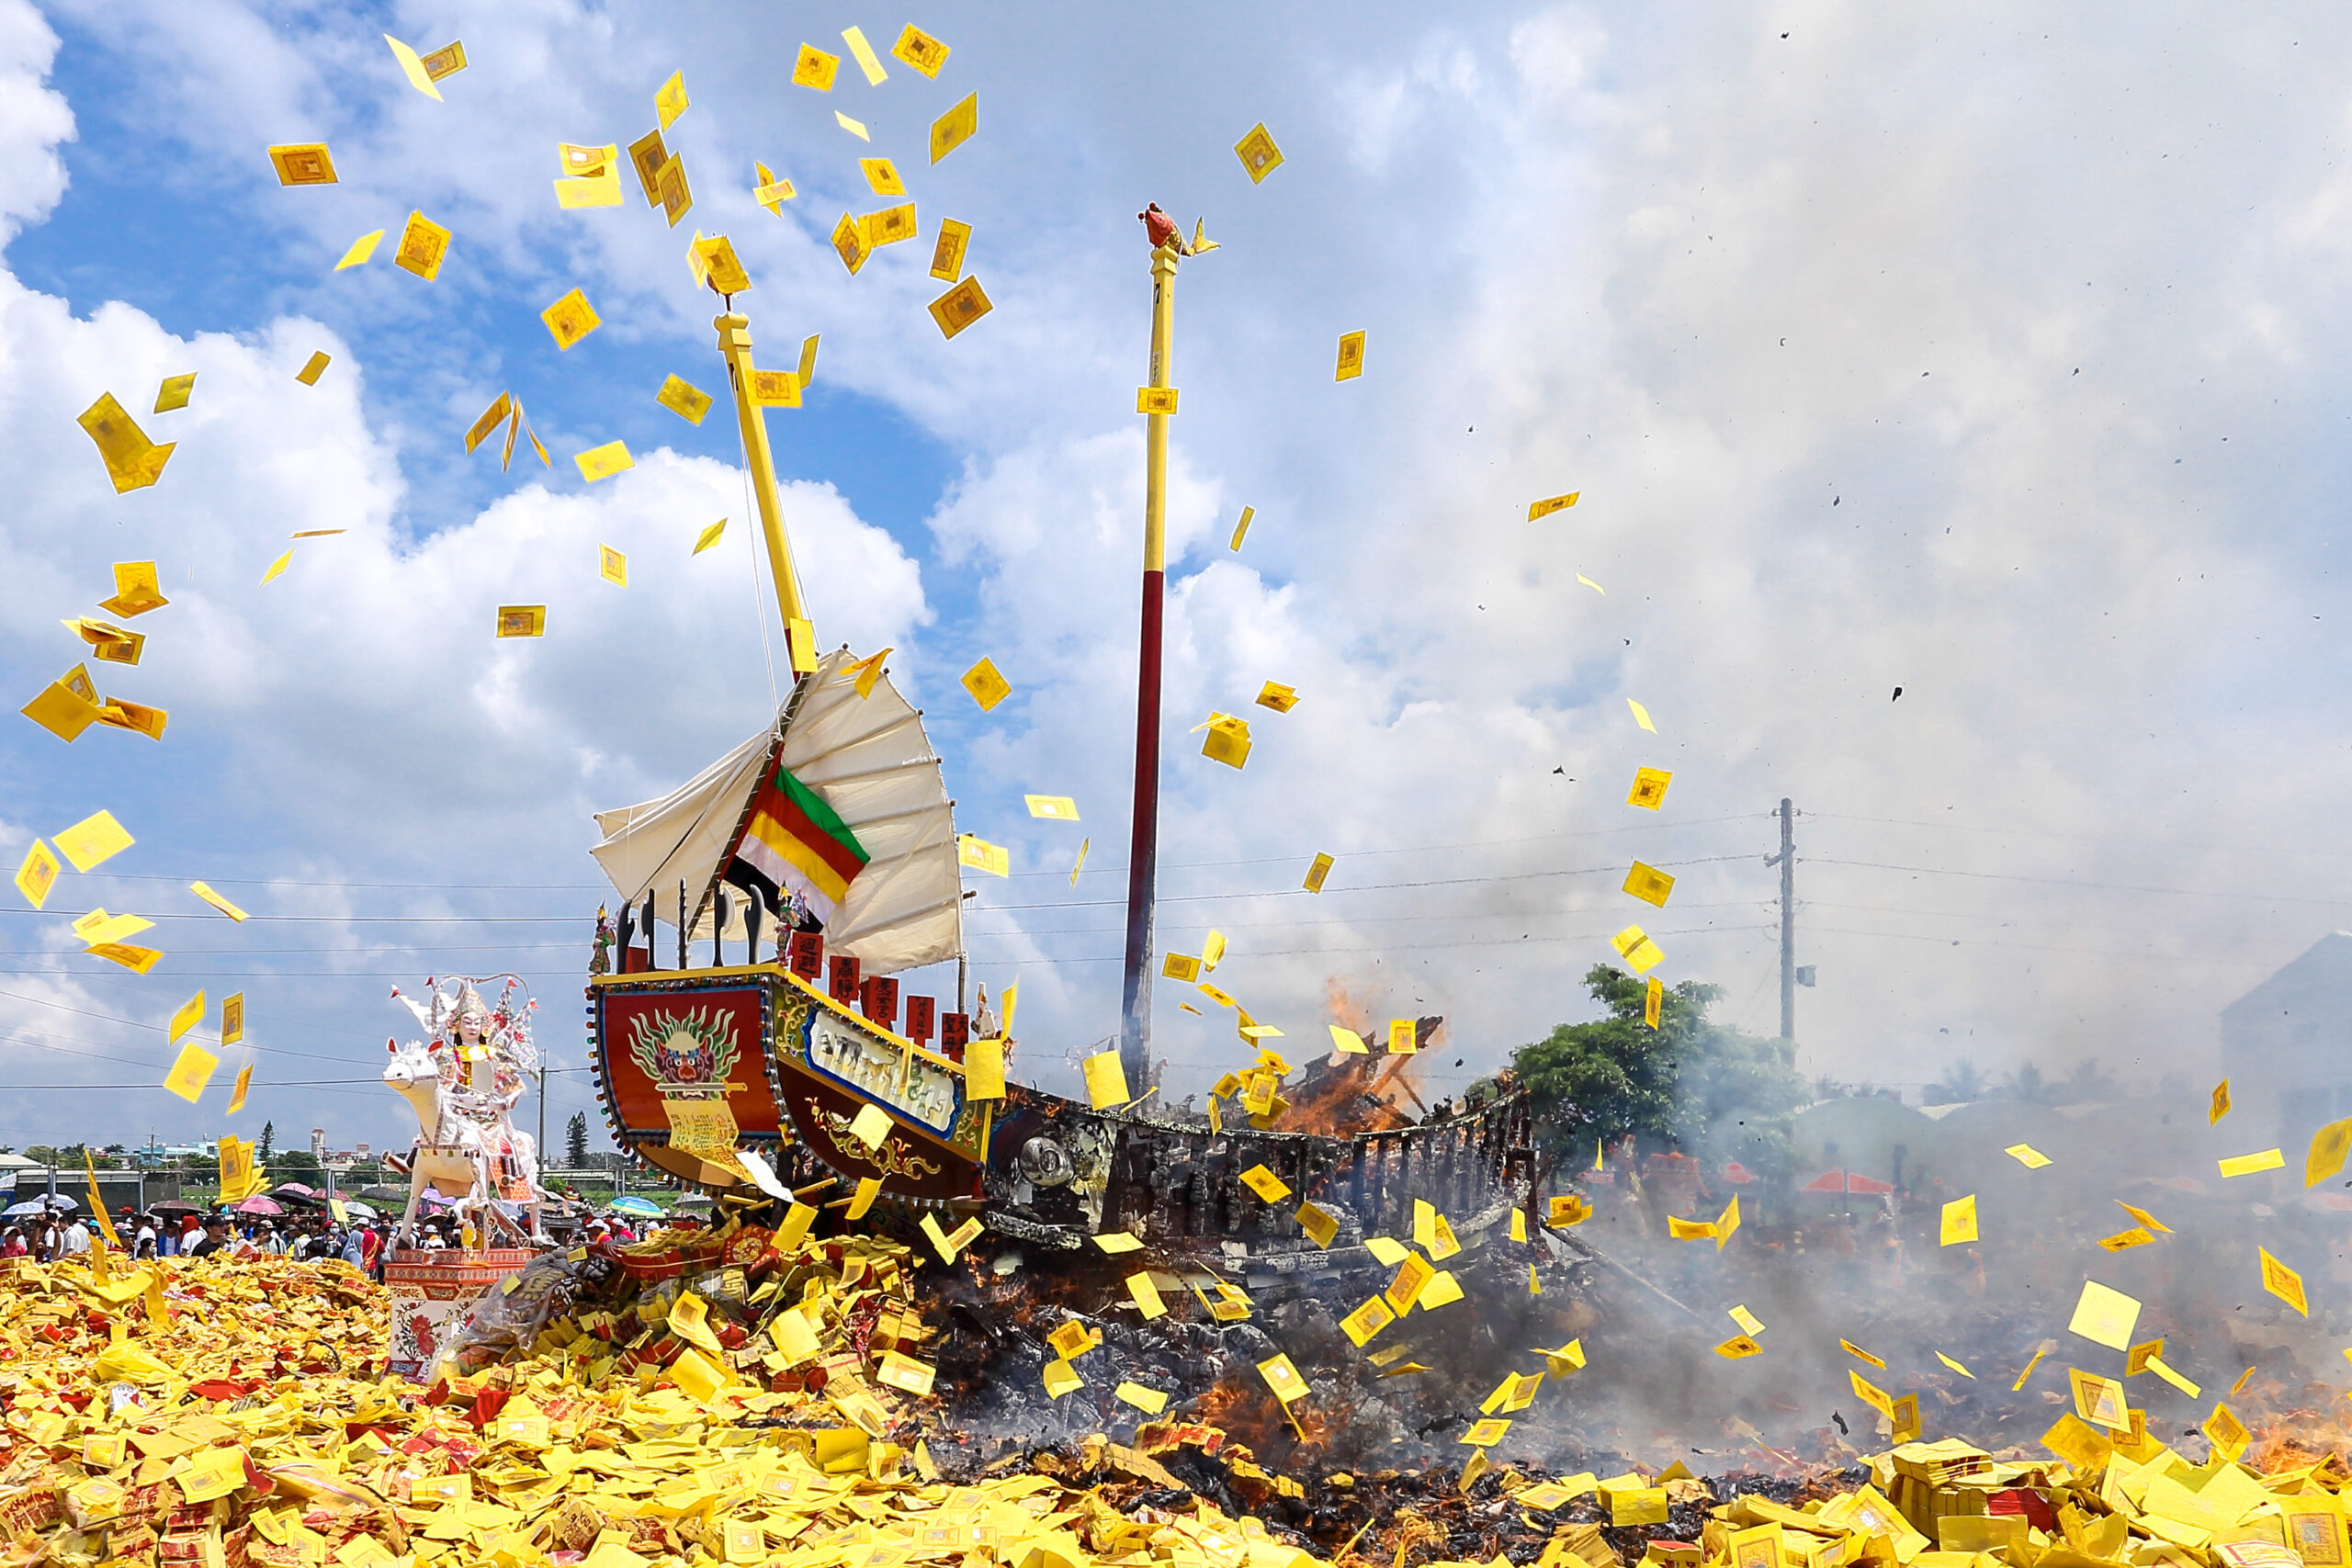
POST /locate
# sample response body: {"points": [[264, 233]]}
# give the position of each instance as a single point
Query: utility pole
{"points": [[1787, 860]]}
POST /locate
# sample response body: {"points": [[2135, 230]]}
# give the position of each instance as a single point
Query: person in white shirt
{"points": [[77, 1239], [143, 1245]]}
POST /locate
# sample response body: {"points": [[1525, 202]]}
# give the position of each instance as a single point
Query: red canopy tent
{"points": [[1845, 1183]]}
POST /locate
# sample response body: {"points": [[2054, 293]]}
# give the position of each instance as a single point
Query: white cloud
{"points": [[1991, 365]]}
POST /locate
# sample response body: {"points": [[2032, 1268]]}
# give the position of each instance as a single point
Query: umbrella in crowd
{"points": [[634, 1205], [259, 1205]]}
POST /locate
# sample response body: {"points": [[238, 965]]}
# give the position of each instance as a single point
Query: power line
{"points": [[2071, 882]]}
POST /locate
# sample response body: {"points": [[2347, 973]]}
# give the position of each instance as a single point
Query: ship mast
{"points": [[735, 345], [1143, 847]]}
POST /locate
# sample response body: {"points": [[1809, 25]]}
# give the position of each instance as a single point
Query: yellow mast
{"points": [[735, 345]]}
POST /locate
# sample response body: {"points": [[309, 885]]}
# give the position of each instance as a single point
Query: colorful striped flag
{"points": [[794, 841]]}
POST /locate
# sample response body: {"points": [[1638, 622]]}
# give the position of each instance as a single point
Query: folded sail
{"points": [[868, 763]]}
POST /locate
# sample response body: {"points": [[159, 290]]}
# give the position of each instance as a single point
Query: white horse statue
{"points": [[456, 1156]]}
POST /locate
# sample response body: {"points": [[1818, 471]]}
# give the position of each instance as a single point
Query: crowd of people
{"points": [[362, 1243]]}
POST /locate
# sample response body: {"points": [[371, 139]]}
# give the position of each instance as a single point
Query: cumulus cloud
{"points": [[2008, 387]]}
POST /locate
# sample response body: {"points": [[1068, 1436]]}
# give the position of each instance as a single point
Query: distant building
{"points": [[2283, 1045]]}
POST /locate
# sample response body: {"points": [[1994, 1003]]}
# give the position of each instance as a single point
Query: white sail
{"points": [[869, 760]]}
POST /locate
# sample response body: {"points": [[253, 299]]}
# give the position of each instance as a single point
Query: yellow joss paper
{"points": [[244, 1082], [1748, 1322], [1259, 155], [1739, 1347], [2325, 1157], [1368, 1321], [190, 1014], [1728, 1223], [1634, 945], [361, 249], [1853, 1349], [413, 69], [2026, 1155], [1320, 1224], [303, 164], [1061, 1377], [1554, 504], [1317, 872], [2105, 1316], [1055, 808], [2038, 1354], [275, 567], [960, 306], [920, 49], [684, 399], [986, 685], [38, 873], [1955, 1366], [174, 393], [1641, 716], [2247, 1165], [423, 245], [870, 1125], [604, 462], [1649, 884], [191, 1072], [1350, 363], [1106, 1081], [814, 69], [1649, 788], [571, 317], [136, 590], [671, 101], [1959, 1221], [2144, 1217], [612, 566], [1870, 1393], [1346, 1041], [93, 840], [1284, 1379], [2283, 1282], [1146, 1295], [314, 367], [868, 1189], [1653, 1001], [2221, 1106], [1689, 1230], [956, 126], [1567, 1210], [2156, 1365], [132, 461], [1115, 1242], [2124, 1240], [522, 620], [1151, 1401], [1263, 1182], [2227, 1433], [1181, 966], [984, 1069]]}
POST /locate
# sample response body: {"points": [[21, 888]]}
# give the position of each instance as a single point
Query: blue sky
{"points": [[1988, 356]]}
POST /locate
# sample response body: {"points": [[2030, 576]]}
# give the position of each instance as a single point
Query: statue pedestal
{"points": [[430, 1294]]}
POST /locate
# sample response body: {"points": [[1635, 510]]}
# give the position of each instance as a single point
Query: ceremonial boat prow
{"points": [[827, 842]]}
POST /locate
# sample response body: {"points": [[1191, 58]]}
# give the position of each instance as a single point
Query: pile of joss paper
{"points": [[765, 1409], [728, 1399]]}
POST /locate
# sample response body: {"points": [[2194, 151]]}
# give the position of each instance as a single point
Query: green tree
{"points": [[268, 1142], [575, 1140], [1962, 1081], [1692, 1084]]}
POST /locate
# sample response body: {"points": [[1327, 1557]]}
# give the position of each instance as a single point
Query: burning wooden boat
{"points": [[808, 868]]}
